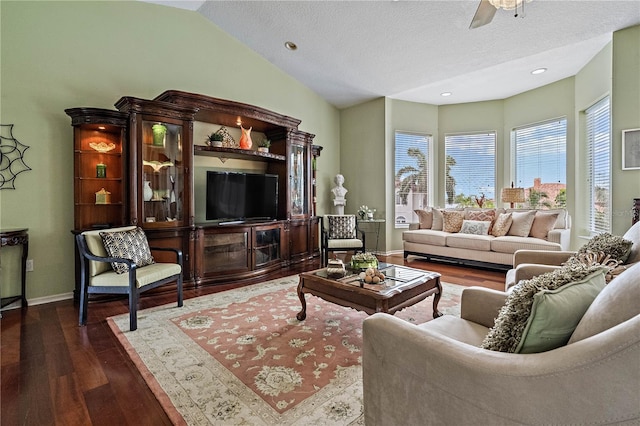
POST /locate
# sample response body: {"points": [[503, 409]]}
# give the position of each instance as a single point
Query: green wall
{"points": [[58, 55]]}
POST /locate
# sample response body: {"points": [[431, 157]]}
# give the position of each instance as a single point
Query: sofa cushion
{"points": [[425, 218], [633, 234], [618, 302], [521, 223], [510, 324], [543, 222], [501, 225], [452, 220], [130, 244], [426, 236], [475, 227], [438, 218], [509, 244], [470, 241], [556, 313]]}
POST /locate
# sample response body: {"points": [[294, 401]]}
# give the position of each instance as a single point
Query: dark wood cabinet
{"points": [[149, 175]]}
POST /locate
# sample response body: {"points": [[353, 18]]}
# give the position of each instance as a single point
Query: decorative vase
{"points": [[147, 192], [245, 139], [159, 132]]}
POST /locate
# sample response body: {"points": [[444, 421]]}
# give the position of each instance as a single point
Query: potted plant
{"points": [[263, 145], [214, 139]]}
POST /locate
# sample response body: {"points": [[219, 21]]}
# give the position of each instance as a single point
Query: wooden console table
{"points": [[17, 237]]}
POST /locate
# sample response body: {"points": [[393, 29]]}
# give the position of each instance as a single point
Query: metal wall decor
{"points": [[11, 157]]}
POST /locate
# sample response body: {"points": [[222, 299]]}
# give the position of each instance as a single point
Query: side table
{"points": [[17, 237], [378, 223]]}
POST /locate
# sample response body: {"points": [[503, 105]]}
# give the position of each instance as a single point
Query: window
{"points": [[598, 135], [540, 154], [412, 170], [470, 169]]}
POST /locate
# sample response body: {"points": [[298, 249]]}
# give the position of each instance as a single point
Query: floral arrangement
{"points": [[365, 211]]}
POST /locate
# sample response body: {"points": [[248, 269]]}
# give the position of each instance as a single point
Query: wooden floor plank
{"points": [[55, 372]]}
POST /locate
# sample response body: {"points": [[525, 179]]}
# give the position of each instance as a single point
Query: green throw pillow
{"points": [[513, 319], [556, 313]]}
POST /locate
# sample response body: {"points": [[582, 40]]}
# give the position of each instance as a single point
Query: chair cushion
{"points": [[342, 226], [513, 318], [501, 225], [130, 244], [96, 247], [344, 243], [144, 276], [618, 302], [556, 313]]}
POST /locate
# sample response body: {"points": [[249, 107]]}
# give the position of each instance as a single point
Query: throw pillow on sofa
{"points": [[475, 227], [452, 220], [501, 225], [543, 222], [521, 224], [425, 218], [513, 318], [484, 215]]}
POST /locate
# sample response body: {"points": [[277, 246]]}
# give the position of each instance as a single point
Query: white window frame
{"points": [[598, 170]]}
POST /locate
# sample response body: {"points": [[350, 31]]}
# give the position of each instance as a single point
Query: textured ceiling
{"points": [[353, 51]]}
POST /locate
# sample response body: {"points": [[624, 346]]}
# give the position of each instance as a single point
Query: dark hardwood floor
{"points": [[56, 373]]}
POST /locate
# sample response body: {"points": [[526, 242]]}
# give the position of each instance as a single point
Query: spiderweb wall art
{"points": [[11, 157]]}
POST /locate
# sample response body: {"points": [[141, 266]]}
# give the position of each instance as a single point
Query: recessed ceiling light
{"points": [[538, 71], [290, 45], [445, 94]]}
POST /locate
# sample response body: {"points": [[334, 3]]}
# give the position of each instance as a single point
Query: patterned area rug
{"points": [[241, 357]]}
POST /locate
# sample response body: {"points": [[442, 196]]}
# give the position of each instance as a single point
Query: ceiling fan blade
{"points": [[483, 15]]}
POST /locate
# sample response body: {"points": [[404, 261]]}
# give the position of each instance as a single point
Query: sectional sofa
{"points": [[485, 237]]}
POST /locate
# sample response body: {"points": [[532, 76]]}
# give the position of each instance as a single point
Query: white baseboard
{"points": [[40, 300]]}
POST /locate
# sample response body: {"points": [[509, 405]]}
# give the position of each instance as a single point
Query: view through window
{"points": [[412, 175], [540, 154], [470, 170], [598, 134]]}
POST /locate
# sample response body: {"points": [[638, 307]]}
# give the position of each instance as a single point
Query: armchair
{"points": [[436, 373], [97, 274], [341, 234]]}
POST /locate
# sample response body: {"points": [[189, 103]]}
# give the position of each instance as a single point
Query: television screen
{"points": [[241, 196]]}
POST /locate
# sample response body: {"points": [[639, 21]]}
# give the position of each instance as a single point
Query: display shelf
{"points": [[237, 153]]}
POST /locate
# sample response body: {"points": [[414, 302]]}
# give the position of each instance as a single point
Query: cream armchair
{"points": [[97, 275], [436, 373], [529, 263]]}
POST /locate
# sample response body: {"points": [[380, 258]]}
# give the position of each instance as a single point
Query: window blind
{"points": [[598, 135], [540, 154], [470, 169], [412, 176]]}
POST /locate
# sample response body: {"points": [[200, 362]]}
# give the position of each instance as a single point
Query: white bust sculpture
{"points": [[339, 192]]}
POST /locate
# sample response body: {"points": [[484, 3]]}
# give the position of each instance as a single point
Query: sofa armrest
{"points": [[560, 236], [414, 375], [481, 305], [541, 257]]}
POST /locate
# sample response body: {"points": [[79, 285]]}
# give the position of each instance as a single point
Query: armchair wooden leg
{"points": [[82, 320], [133, 311], [180, 291]]}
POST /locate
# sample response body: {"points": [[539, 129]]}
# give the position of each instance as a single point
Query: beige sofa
{"points": [[436, 373], [483, 250]]}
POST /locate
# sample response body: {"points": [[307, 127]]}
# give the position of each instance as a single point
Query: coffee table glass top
{"points": [[395, 275]]}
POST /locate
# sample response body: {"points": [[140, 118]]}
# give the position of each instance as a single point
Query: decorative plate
{"points": [[102, 146]]}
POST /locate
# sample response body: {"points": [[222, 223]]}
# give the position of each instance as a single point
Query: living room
{"points": [[58, 55]]}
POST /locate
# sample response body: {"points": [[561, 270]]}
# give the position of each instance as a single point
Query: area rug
{"points": [[241, 357]]}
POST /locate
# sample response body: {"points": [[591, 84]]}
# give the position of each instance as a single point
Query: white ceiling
{"points": [[353, 51]]}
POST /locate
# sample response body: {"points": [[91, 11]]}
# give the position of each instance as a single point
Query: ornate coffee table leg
{"points": [[303, 313], [436, 299]]}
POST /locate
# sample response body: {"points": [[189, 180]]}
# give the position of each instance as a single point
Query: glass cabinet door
{"points": [[163, 177], [298, 180]]}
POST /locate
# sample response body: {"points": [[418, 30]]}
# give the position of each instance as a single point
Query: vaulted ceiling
{"points": [[352, 51]]}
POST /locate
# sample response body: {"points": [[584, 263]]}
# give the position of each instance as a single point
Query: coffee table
{"points": [[403, 287]]}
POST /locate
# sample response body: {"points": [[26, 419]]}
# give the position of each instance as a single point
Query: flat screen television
{"points": [[235, 196]]}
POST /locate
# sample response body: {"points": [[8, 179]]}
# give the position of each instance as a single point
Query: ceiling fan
{"points": [[487, 9]]}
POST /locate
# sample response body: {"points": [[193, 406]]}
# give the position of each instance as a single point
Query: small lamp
{"points": [[512, 195]]}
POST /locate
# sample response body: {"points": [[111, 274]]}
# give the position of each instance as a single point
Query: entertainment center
{"points": [[235, 213]]}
